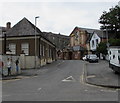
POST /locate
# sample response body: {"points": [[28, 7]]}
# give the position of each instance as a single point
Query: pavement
{"points": [[28, 72], [24, 73], [100, 74]]}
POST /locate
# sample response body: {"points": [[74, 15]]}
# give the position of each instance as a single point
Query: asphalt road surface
{"points": [[62, 80]]}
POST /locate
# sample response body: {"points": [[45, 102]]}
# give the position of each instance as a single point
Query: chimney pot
{"points": [[8, 25]]}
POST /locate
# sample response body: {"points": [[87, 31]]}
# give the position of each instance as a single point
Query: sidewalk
{"points": [[28, 72], [101, 75]]}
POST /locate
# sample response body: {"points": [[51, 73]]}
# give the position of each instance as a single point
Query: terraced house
{"points": [[20, 40]]}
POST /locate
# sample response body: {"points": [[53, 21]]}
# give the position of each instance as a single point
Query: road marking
{"points": [[91, 76], [68, 79], [108, 90], [86, 90], [39, 89]]}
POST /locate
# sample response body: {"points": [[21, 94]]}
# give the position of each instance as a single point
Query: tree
{"points": [[114, 42], [111, 21], [102, 48]]}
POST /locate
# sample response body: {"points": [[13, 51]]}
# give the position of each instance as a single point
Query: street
{"points": [[62, 80]]}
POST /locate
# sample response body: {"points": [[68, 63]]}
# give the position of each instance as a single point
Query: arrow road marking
{"points": [[68, 79]]}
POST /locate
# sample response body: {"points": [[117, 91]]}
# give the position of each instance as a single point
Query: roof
{"points": [[90, 32], [57, 35], [25, 28]]}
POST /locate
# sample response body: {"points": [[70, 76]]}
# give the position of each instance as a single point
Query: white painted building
{"points": [[94, 41]]}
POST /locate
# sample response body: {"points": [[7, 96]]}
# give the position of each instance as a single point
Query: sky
{"points": [[56, 16]]}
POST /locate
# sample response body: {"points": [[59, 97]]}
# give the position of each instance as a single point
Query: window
{"points": [[118, 51], [92, 43], [40, 49], [50, 52], [110, 52], [25, 48], [119, 59], [53, 38], [43, 51], [12, 48], [113, 56], [97, 41]]}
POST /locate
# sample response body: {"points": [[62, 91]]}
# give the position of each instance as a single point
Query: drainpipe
{"points": [[5, 43], [40, 50]]}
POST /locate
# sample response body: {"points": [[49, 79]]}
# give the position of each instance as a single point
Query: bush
{"points": [[102, 48]]}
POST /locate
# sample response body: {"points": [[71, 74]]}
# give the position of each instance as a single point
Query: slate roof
{"points": [[90, 32], [56, 35], [23, 28]]}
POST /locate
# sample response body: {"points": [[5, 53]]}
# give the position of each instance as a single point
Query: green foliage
{"points": [[111, 21], [102, 48], [114, 42]]}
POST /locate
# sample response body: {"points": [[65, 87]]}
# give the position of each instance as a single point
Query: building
{"points": [[20, 39], [3, 30], [84, 41], [94, 38], [61, 41]]}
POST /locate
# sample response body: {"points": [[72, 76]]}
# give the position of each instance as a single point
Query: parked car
{"points": [[84, 58], [92, 58]]}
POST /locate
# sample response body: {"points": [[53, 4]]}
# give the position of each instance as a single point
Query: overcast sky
{"points": [[57, 17]]}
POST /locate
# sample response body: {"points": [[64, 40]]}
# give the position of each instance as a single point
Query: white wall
{"points": [[94, 37], [28, 62], [13, 69]]}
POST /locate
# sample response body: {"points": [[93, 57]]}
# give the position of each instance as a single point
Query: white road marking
{"points": [[86, 90], [68, 79], [108, 90], [91, 76], [39, 89]]}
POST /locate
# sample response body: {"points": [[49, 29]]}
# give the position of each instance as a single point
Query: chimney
{"points": [[8, 25]]}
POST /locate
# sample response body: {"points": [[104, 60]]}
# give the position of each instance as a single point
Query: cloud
{"points": [[55, 16]]}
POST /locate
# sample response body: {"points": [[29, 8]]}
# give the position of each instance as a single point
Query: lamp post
{"points": [[35, 39]]}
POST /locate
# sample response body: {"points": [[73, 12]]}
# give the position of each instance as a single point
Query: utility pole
{"points": [[35, 41]]}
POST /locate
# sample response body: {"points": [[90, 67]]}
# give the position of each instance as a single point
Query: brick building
{"points": [[21, 39], [82, 41]]}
